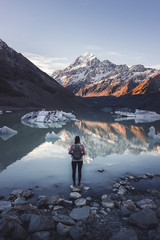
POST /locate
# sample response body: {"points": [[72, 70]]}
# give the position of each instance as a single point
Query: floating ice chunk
{"points": [[48, 118], [8, 111], [153, 135], [51, 137], [6, 133], [140, 116]]}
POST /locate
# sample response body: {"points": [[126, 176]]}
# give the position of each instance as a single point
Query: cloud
{"points": [[47, 64], [154, 66]]}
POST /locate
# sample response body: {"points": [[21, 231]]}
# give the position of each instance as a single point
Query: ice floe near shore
{"points": [[47, 119], [140, 116], [6, 133]]}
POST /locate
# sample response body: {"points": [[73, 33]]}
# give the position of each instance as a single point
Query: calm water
{"points": [[28, 160]]}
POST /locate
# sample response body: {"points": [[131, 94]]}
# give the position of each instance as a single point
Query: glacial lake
{"points": [[121, 148]]}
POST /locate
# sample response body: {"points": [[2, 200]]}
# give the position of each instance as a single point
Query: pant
{"points": [[74, 165]]}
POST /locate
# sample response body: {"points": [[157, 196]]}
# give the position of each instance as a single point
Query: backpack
{"points": [[77, 152]]}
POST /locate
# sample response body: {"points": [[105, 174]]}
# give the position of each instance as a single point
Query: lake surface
{"points": [[27, 160]]}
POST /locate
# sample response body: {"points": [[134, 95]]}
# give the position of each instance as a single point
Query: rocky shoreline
{"points": [[124, 214]]}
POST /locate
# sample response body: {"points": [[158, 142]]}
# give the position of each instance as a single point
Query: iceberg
{"points": [[47, 119], [140, 116], [51, 137], [6, 133], [152, 134]]}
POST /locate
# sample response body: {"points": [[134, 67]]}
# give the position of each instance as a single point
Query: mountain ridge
{"points": [[101, 78]]}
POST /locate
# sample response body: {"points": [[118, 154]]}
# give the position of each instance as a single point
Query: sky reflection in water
{"points": [[27, 160]]}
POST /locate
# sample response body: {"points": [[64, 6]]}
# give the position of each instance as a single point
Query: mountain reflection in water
{"points": [[109, 145]]}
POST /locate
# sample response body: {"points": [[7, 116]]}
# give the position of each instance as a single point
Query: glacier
{"points": [[140, 116], [47, 119]]}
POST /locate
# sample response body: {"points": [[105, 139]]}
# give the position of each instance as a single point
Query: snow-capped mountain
{"points": [[87, 76]]}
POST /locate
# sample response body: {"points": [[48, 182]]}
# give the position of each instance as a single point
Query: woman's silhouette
{"points": [[77, 151]]}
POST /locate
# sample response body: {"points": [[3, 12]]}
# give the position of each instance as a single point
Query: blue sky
{"points": [[52, 33]]}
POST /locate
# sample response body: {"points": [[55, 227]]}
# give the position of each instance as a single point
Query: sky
{"points": [[53, 33]]}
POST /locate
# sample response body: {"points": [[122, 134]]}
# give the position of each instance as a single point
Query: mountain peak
{"points": [[4, 47], [87, 56]]}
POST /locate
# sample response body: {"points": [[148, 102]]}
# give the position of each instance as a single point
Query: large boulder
{"points": [[83, 213], [44, 235], [146, 203], [126, 235], [78, 231], [62, 229], [145, 219], [40, 223]]}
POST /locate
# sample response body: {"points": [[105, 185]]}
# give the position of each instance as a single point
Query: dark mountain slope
{"points": [[22, 84]]}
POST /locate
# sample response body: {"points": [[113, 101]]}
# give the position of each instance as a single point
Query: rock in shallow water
{"points": [[75, 195], [80, 202], [83, 213]]}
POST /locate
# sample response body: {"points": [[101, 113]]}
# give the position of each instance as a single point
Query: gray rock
{"points": [[54, 199], [145, 219], [19, 201], [17, 192], [64, 219], [88, 200], [41, 201], [83, 213], [103, 212], [121, 190], [75, 189], [43, 235], [68, 202], [154, 234], [77, 232], [75, 195], [146, 203], [108, 203], [104, 197], [124, 212], [129, 204], [116, 185], [57, 208], [80, 202], [126, 235], [7, 225], [62, 229], [96, 205], [28, 194], [18, 233], [4, 205], [40, 223]]}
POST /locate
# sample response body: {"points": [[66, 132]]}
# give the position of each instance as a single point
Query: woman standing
{"points": [[77, 151]]}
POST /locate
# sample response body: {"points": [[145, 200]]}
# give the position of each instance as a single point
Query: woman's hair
{"points": [[77, 139]]}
